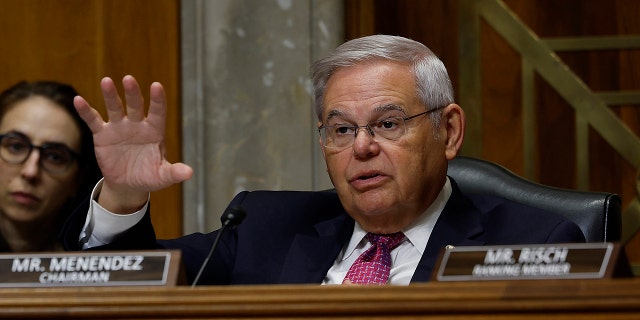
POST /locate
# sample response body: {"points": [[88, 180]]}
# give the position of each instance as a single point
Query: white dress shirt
{"points": [[102, 226]]}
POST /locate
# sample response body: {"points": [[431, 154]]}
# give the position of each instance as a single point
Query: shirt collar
{"points": [[415, 232]]}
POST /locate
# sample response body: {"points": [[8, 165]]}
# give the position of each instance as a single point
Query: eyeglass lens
{"points": [[343, 135], [54, 157]]}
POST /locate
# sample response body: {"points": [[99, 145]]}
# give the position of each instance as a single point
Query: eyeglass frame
{"points": [[41, 148], [370, 131]]}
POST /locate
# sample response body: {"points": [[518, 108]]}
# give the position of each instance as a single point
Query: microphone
{"points": [[231, 217]]}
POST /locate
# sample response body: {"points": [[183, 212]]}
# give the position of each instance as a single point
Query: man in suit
{"points": [[388, 126]]}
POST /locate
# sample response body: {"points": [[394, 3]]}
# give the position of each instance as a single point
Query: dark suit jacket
{"points": [[295, 236]]}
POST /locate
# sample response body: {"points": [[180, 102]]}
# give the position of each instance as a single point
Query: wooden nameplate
{"points": [[91, 268], [530, 262]]}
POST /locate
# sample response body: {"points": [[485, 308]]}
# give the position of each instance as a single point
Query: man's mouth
{"points": [[368, 176], [367, 180]]}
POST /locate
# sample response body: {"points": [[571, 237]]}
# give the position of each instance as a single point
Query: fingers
{"points": [[157, 106], [112, 100], [134, 99], [181, 172], [88, 114]]}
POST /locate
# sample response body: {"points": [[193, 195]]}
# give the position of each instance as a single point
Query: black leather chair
{"points": [[598, 214]]}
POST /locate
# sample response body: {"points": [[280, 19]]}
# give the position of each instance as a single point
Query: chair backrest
{"points": [[597, 214]]}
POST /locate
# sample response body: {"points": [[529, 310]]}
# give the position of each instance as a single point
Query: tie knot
{"points": [[389, 240], [374, 265]]}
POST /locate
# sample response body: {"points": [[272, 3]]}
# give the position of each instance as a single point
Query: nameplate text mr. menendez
{"points": [[89, 268]]}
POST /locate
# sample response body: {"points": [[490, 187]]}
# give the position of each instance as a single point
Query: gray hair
{"points": [[433, 85]]}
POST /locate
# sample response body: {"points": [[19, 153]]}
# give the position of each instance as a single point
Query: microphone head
{"points": [[233, 216]]}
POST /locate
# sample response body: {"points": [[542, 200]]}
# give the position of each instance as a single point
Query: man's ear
{"points": [[453, 122], [324, 154]]}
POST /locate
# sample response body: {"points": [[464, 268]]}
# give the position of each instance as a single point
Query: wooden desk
{"points": [[557, 299]]}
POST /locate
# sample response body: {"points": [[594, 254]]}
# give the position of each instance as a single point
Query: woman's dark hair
{"points": [[62, 95]]}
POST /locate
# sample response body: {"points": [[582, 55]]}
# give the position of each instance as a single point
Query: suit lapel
{"points": [[314, 251], [458, 225]]}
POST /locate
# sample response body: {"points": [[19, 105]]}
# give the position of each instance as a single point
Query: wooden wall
{"points": [[81, 41]]}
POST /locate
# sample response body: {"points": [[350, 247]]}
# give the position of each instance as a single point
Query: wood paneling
{"points": [[432, 22], [528, 299], [81, 41]]}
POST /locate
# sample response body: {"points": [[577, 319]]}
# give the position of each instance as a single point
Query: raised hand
{"points": [[130, 147]]}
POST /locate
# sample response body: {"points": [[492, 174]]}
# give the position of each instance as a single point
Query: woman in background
{"points": [[47, 164]]}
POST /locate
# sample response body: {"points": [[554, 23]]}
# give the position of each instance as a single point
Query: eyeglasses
{"points": [[342, 136], [54, 158]]}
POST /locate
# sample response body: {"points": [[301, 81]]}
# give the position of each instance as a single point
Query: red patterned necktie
{"points": [[373, 265]]}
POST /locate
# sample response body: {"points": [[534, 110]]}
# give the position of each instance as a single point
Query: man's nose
{"points": [[364, 144]]}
